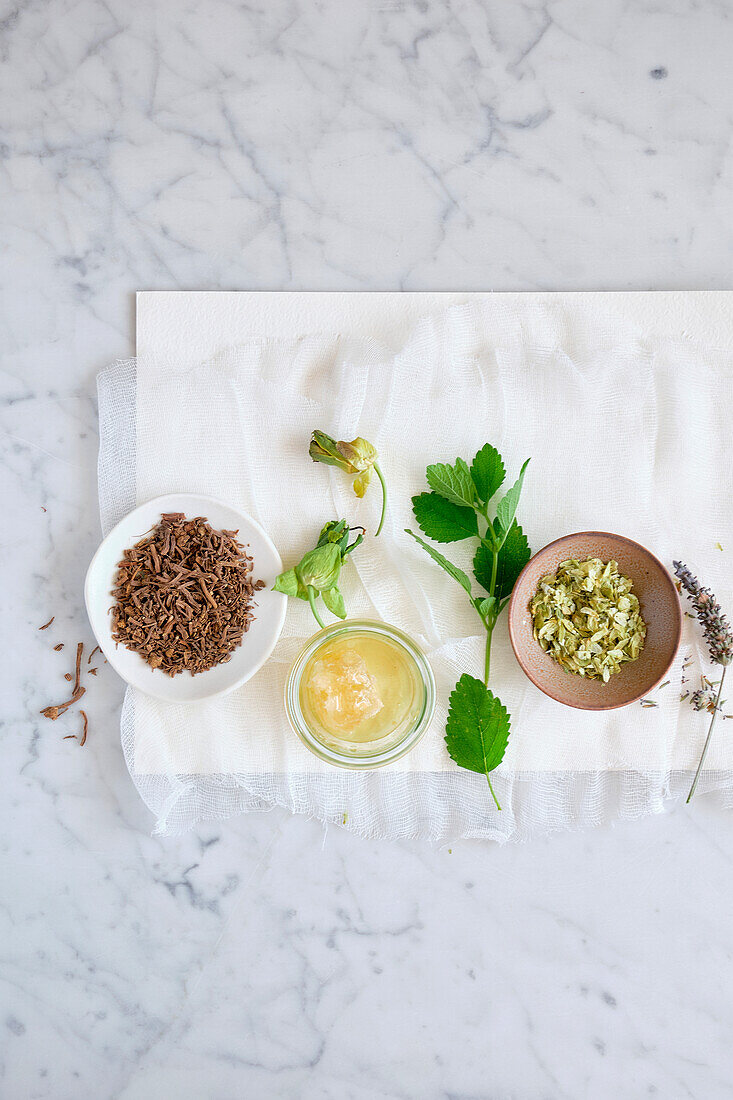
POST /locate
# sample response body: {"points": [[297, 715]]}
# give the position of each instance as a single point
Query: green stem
{"points": [[380, 475], [489, 624], [710, 734], [487, 658], [494, 570], [496, 800], [312, 602]]}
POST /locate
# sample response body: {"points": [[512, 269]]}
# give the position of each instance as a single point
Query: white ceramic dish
{"points": [[260, 639]]}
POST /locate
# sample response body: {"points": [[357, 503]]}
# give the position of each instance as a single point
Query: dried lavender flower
{"points": [[718, 633], [703, 699], [719, 637]]}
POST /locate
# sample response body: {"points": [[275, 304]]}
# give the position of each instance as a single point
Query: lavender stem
{"points": [[710, 733]]}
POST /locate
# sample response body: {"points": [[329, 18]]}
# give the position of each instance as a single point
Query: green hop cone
{"points": [[319, 570], [357, 458]]}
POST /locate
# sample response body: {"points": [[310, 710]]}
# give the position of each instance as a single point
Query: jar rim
{"points": [[381, 757]]}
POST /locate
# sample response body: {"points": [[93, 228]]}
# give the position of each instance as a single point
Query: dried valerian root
{"points": [[54, 712], [184, 595]]}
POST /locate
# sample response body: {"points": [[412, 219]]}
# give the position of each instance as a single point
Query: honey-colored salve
{"points": [[360, 694], [360, 687]]}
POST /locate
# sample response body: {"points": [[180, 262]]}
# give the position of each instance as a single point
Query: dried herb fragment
{"points": [[46, 625], [59, 647], [95, 650], [85, 728], [184, 595]]}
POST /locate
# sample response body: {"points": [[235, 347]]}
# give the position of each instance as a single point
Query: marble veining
{"points": [[344, 144]]}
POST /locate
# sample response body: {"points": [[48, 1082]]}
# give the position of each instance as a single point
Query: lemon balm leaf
{"points": [[452, 482], [478, 728], [513, 556], [487, 472], [442, 520], [451, 569], [506, 509], [483, 562], [485, 606]]}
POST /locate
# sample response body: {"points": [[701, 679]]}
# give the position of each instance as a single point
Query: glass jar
{"points": [[373, 668]]}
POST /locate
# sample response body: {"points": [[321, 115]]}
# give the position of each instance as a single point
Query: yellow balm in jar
{"points": [[361, 694]]}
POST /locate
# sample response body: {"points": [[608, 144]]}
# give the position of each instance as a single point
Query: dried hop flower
{"points": [[718, 633]]}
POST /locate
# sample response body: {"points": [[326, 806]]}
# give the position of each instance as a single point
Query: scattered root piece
{"points": [[95, 650], [56, 711], [53, 712], [59, 647], [79, 651], [86, 726], [46, 625]]}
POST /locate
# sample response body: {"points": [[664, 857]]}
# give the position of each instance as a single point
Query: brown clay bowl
{"points": [[660, 607]]}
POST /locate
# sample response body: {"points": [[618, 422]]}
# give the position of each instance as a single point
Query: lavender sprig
{"points": [[719, 637], [716, 627]]}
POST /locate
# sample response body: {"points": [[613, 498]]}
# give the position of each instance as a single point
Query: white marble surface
{"points": [[445, 144]]}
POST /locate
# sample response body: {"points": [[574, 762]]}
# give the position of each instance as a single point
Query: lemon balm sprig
{"points": [[357, 458], [459, 507]]}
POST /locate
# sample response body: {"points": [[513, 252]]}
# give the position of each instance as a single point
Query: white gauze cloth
{"points": [[625, 436]]}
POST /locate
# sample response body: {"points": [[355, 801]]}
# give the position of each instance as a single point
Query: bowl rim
{"points": [[577, 705], [109, 652]]}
